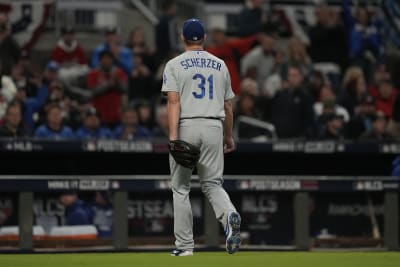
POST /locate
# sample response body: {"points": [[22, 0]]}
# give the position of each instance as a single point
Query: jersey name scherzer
{"points": [[202, 81]]}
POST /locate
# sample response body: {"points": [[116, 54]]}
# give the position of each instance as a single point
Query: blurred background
{"points": [[83, 125]]}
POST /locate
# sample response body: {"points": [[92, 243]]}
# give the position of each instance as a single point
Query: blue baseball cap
{"points": [[52, 66], [193, 30]]}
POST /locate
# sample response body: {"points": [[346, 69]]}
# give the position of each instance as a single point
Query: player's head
{"points": [[68, 198], [193, 32]]}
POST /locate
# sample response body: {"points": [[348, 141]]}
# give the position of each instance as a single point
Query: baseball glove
{"points": [[184, 153]]}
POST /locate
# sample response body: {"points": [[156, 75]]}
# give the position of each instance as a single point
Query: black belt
{"points": [[211, 118]]}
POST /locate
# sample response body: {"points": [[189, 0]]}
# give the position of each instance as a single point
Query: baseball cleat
{"points": [[181, 252], [233, 232]]}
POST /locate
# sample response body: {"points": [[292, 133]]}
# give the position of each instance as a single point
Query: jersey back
{"points": [[202, 81]]}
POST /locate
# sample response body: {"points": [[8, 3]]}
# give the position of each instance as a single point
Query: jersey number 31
{"points": [[202, 86]]}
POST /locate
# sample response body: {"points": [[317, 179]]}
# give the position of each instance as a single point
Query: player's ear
{"points": [[205, 37], [182, 38]]}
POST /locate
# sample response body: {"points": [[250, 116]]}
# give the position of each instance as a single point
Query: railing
{"points": [[268, 129]]}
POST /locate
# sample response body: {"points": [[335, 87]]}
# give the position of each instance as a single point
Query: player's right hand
{"points": [[229, 144]]}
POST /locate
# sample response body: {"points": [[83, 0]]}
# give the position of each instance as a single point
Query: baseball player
{"points": [[199, 91]]}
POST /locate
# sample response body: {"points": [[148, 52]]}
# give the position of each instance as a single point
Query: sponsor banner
{"points": [[150, 185], [48, 212], [118, 146], [127, 146], [345, 215], [82, 185], [267, 218], [390, 148], [368, 185], [320, 147], [153, 215], [310, 185], [270, 185]]}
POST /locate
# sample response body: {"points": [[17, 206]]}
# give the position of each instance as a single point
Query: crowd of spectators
{"points": [[336, 86]]}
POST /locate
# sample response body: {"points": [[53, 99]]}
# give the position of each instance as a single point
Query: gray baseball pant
{"points": [[208, 135]]}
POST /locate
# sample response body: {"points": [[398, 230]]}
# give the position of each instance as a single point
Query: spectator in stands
{"points": [[91, 128], [54, 127], [291, 107], [394, 122], [251, 18], [297, 55], [354, 89], [365, 42], [328, 40], [102, 211], [361, 121], [13, 126], [68, 51], [122, 56], [8, 90], [141, 81], [26, 78], [250, 86], [378, 131], [144, 112], [158, 75], [50, 73], [246, 105], [9, 48], [55, 94], [327, 94], [274, 81], [77, 212], [130, 128], [108, 85], [230, 50], [137, 44], [385, 97], [161, 128], [167, 31], [381, 73], [71, 57], [319, 124], [35, 104], [262, 58], [315, 81], [332, 127], [78, 108]]}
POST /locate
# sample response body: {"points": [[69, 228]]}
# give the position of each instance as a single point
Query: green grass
{"points": [[206, 259]]}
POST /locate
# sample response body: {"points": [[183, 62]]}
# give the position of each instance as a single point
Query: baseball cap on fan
{"points": [[193, 30]]}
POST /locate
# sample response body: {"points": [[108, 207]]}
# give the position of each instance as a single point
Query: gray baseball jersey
{"points": [[202, 81]]}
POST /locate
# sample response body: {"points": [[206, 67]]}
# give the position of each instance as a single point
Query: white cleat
{"points": [[181, 252]]}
